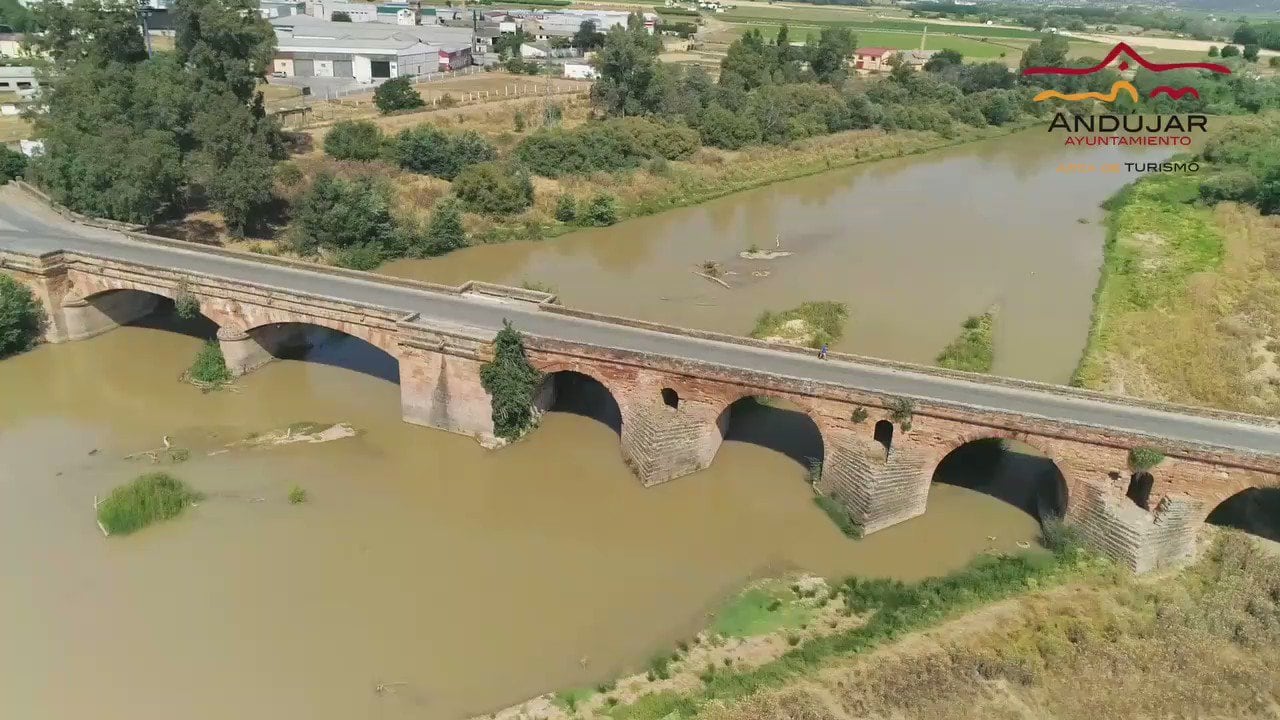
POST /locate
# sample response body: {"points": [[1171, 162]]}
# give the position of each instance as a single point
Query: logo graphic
{"points": [[1123, 85]]}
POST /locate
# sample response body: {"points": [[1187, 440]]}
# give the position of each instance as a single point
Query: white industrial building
{"points": [[365, 52]]}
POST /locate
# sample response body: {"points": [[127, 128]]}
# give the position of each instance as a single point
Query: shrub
{"points": [[210, 366], [445, 232], [494, 189], [1236, 185], [149, 498], [364, 256], [511, 383], [724, 128], [337, 214], [839, 515], [518, 121], [601, 211], [566, 209], [354, 140], [1230, 51], [297, 495], [21, 317], [901, 410], [13, 164], [397, 94], [185, 305], [660, 667], [552, 152], [430, 151], [859, 414], [1062, 538], [1142, 459]]}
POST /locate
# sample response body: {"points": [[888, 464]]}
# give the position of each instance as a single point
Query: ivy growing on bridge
{"points": [[511, 383]]}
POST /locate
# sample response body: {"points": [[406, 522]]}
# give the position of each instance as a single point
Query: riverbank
{"points": [[1188, 304], [1067, 640]]}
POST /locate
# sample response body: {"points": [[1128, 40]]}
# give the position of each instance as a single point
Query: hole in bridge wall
{"points": [[578, 394], [884, 434], [1007, 470], [1255, 511], [671, 398], [122, 307], [324, 346], [1140, 484], [777, 425]]}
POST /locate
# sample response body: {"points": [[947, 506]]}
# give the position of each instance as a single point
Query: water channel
{"points": [[471, 579]]}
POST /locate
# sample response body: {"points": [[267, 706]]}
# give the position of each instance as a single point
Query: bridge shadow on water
{"points": [[776, 425], [1009, 471], [324, 346], [1255, 511], [165, 317], [578, 394]]}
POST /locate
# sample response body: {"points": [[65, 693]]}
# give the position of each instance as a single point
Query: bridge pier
{"points": [[661, 443], [246, 351], [879, 487], [443, 391]]}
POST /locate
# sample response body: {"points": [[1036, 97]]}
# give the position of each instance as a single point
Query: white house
{"points": [[579, 71]]}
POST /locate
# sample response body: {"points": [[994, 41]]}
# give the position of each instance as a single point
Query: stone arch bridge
{"points": [[884, 426]]}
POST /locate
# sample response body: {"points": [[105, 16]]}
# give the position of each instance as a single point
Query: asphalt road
{"points": [[26, 226]]}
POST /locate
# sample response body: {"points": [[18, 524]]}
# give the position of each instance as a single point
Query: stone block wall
{"points": [[1141, 541]]}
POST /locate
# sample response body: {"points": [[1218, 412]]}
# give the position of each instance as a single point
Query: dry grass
{"points": [[1202, 644], [1189, 307], [14, 128]]}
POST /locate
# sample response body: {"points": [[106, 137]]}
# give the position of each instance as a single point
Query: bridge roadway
{"points": [[26, 226]]}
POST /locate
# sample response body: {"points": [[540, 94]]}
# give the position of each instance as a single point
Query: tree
{"points": [[587, 37], [1250, 52], [1230, 51], [943, 59], [20, 317], [627, 65], [210, 365], [566, 208], [494, 189], [1048, 52], [1245, 35], [340, 16], [827, 57], [12, 164], [511, 383], [444, 232], [234, 162], [354, 140], [1213, 51], [339, 214], [226, 43], [1274, 61], [397, 94], [87, 32]]}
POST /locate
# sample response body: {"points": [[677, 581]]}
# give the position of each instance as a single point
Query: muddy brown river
{"points": [[462, 579]]}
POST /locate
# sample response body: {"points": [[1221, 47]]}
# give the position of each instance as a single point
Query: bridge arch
{"points": [[1008, 468], [103, 308], [779, 423], [1254, 510], [322, 342], [567, 388]]}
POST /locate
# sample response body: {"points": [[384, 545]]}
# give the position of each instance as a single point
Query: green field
{"points": [[970, 48], [866, 21]]}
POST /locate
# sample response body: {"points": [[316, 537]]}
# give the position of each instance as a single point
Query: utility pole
{"points": [[144, 11]]}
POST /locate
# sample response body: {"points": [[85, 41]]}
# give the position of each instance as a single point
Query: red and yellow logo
{"points": [[1123, 85]]}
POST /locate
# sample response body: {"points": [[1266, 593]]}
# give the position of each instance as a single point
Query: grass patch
{"points": [[972, 351], [893, 609], [569, 700], [839, 515], [1187, 301], [1086, 652], [147, 499], [812, 324], [762, 609], [210, 367]]}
